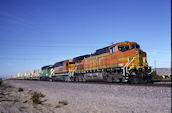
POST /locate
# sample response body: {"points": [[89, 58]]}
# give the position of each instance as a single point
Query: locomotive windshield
{"points": [[135, 46], [123, 48], [71, 62]]}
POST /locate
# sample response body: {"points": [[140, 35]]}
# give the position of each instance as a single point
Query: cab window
{"points": [[123, 48], [135, 46], [112, 50], [71, 62]]}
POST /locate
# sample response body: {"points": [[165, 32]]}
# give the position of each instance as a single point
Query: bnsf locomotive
{"points": [[120, 62]]}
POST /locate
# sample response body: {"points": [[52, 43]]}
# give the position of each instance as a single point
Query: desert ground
{"points": [[61, 97]]}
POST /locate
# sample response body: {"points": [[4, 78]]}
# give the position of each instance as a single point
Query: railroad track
{"points": [[148, 84], [154, 84]]}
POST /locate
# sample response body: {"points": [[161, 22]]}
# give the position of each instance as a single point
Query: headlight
{"points": [[120, 65]]}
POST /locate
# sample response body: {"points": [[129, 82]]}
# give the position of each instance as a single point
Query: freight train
{"points": [[120, 62]]}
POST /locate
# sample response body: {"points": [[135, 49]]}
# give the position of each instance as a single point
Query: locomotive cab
{"points": [[70, 65], [133, 62], [129, 54]]}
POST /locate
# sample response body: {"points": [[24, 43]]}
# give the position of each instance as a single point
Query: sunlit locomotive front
{"points": [[121, 62], [133, 62]]}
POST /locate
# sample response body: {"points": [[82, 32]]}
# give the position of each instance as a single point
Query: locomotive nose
{"points": [[141, 58], [138, 52]]}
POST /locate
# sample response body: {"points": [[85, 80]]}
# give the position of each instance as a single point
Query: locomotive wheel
{"points": [[79, 78], [110, 79], [66, 79], [76, 79], [50, 79], [82, 79], [148, 79], [133, 79], [73, 79], [136, 80], [40, 78]]}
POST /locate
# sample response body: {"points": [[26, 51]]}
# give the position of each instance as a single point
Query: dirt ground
{"points": [[63, 97], [14, 101]]}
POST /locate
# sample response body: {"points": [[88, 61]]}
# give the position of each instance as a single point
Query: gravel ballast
{"points": [[101, 98]]}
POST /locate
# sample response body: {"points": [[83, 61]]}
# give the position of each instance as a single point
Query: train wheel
{"points": [[53, 79], [133, 79], [40, 78], [136, 80], [110, 79], [72, 79], [148, 79], [50, 79], [79, 78], [120, 80], [76, 79], [83, 79]]}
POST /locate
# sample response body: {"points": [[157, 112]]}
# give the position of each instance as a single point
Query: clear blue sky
{"points": [[34, 33]]}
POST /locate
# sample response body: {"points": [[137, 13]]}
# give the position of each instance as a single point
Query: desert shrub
{"points": [[155, 76], [20, 89], [58, 106], [166, 76], [36, 98], [63, 102]]}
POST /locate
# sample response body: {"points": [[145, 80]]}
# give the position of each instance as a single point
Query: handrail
{"points": [[126, 65], [129, 62]]}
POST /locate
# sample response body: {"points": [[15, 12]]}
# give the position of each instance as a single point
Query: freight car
{"points": [[120, 62]]}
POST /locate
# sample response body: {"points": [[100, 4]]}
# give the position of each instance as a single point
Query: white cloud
{"points": [[17, 20]]}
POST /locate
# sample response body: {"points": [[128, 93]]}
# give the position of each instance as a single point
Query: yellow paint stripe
{"points": [[61, 74], [100, 67], [60, 71]]}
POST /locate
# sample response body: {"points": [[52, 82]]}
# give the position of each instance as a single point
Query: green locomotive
{"points": [[47, 72]]}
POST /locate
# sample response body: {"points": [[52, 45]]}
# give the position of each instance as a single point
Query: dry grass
{"points": [[36, 98], [63, 102], [20, 89], [58, 106]]}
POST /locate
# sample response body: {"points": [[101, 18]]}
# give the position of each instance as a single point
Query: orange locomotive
{"points": [[62, 70], [121, 62]]}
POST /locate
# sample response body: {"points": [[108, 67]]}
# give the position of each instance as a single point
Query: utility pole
{"points": [[155, 66]]}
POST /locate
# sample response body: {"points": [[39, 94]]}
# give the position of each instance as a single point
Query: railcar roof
{"points": [[102, 50], [81, 57], [47, 66], [59, 63]]}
